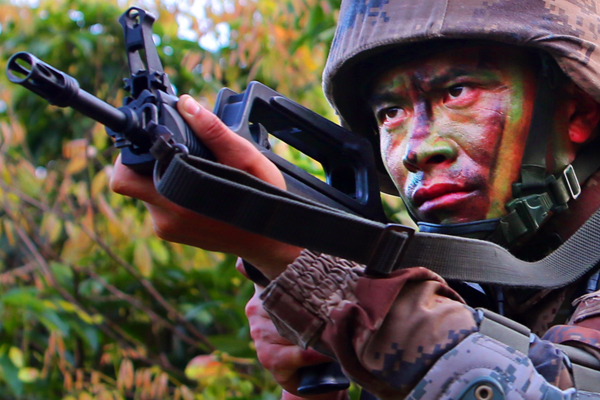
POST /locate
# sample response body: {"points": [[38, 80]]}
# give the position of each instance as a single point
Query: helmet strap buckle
{"points": [[536, 199]]}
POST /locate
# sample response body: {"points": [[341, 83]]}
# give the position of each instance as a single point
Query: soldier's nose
{"points": [[422, 155]]}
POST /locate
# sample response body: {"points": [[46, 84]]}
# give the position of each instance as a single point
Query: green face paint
{"points": [[453, 127]]}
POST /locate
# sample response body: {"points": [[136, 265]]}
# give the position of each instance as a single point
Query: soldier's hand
{"points": [[279, 356], [177, 224]]}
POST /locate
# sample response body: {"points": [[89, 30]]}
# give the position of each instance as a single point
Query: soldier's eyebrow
{"points": [[448, 75], [425, 81], [380, 97], [452, 73]]}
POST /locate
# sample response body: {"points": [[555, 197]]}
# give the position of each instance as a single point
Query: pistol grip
{"points": [[314, 379], [322, 378]]}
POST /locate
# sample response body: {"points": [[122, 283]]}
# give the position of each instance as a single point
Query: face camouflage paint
{"points": [[452, 129]]}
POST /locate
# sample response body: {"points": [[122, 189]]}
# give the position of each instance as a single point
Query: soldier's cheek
{"points": [[392, 153]]}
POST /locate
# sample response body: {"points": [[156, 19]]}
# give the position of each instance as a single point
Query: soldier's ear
{"points": [[584, 115]]}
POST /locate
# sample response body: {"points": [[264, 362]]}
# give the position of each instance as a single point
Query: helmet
{"points": [[370, 32], [567, 30]]}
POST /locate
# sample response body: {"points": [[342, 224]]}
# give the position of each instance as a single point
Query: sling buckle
{"points": [[389, 249], [572, 181]]}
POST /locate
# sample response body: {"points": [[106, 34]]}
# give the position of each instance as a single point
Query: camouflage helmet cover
{"points": [[568, 30]]}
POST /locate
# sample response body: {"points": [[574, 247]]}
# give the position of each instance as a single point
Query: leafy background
{"points": [[92, 304]]}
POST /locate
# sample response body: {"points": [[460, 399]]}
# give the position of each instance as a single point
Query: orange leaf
{"points": [[203, 367]]}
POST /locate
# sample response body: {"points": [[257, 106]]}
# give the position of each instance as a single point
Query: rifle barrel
{"points": [[62, 90]]}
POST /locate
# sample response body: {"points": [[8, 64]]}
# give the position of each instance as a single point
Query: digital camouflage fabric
{"points": [[568, 30], [407, 335]]}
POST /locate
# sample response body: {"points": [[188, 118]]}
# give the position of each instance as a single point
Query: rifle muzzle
{"points": [[54, 86], [62, 90]]}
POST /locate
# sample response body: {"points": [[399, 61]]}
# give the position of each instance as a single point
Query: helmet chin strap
{"points": [[539, 194], [474, 230]]}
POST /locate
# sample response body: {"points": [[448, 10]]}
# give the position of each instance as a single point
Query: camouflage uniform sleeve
{"points": [[407, 335], [385, 332], [583, 329]]}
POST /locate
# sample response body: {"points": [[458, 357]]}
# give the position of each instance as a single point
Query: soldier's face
{"points": [[453, 127]]}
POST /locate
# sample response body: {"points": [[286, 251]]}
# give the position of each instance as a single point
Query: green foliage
{"points": [[92, 304]]}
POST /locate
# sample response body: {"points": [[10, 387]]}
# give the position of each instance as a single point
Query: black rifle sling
{"points": [[237, 198]]}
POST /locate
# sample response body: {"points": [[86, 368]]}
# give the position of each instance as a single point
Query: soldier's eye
{"points": [[455, 91], [390, 113]]}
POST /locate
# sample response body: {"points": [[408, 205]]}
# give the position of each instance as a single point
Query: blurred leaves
{"points": [[92, 304]]}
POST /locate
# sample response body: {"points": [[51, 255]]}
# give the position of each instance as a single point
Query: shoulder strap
{"points": [[237, 198], [583, 365]]}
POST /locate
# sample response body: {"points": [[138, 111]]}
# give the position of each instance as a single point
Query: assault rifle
{"points": [[149, 116]]}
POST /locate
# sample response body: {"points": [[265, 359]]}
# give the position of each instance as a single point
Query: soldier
{"points": [[476, 106]]}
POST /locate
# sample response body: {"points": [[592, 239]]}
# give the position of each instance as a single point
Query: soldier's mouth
{"points": [[441, 195]]}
